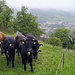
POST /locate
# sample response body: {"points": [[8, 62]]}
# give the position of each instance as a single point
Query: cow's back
{"points": [[29, 36], [9, 39]]}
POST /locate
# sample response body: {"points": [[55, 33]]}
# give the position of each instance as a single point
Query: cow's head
{"points": [[29, 43], [8, 45], [26, 46], [36, 48]]}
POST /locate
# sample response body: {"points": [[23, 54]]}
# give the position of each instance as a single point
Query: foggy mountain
{"points": [[53, 15]]}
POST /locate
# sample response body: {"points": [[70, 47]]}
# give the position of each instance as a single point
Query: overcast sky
{"points": [[43, 4]]}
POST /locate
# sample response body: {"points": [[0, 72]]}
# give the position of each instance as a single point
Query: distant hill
{"points": [[52, 15]]}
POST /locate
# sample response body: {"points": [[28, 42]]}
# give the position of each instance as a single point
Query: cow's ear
{"points": [[40, 44]]}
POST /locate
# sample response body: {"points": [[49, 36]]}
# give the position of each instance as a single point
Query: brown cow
{"points": [[2, 35]]}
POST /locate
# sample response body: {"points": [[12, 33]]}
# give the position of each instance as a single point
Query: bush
{"points": [[54, 41], [73, 46]]}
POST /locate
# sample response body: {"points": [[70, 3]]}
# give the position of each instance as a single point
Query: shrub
{"points": [[73, 46], [54, 41]]}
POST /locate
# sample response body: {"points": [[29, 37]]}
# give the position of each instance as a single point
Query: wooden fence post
{"points": [[63, 59]]}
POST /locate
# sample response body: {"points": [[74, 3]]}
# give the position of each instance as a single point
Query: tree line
{"points": [[24, 21]]}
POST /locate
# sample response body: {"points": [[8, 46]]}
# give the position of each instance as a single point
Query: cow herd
{"points": [[25, 45]]}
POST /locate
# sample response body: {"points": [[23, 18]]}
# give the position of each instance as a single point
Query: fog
{"points": [[43, 4]]}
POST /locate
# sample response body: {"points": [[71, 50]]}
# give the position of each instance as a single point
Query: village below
{"points": [[51, 27]]}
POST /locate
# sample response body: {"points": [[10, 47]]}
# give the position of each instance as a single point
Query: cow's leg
{"points": [[25, 66], [13, 62], [22, 59], [7, 61], [31, 65], [24, 62], [7, 58], [17, 50]]}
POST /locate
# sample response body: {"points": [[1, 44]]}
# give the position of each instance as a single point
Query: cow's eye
{"points": [[22, 42], [34, 42], [10, 44]]}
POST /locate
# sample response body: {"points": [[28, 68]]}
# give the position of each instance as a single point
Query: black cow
{"points": [[18, 40], [25, 47], [35, 46], [8, 48]]}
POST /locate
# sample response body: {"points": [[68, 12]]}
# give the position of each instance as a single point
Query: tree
{"points": [[71, 37], [62, 34], [5, 15], [26, 23], [2, 5]]}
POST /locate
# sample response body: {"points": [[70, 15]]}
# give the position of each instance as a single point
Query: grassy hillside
{"points": [[49, 62]]}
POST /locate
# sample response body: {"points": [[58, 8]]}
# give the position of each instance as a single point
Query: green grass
{"points": [[69, 66], [49, 62], [46, 64]]}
